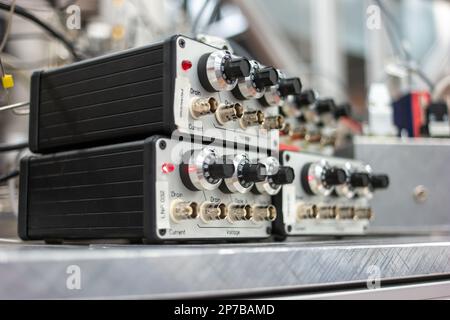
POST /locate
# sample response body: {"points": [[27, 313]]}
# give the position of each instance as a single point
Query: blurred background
{"points": [[365, 53]]}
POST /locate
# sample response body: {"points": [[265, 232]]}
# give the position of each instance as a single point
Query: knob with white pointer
{"points": [[319, 178], [220, 70], [254, 85], [244, 176], [204, 169], [236, 67], [276, 95], [277, 176]]}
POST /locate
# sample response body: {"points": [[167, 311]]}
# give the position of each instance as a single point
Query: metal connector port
{"points": [[210, 211], [252, 119], [183, 210], [229, 112], [237, 212], [345, 213], [203, 106], [363, 213], [274, 123], [326, 212], [306, 211], [263, 213]]}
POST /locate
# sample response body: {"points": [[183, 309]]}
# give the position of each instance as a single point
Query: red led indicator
{"points": [[167, 168], [311, 178], [186, 65]]}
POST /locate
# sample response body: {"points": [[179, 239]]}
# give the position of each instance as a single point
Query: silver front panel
{"points": [[418, 198], [170, 188], [188, 87], [294, 195]]}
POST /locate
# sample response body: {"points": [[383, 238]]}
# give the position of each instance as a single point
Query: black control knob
{"points": [[237, 68], [301, 119], [334, 177], [254, 173], [359, 180], [325, 106], [344, 110], [266, 77], [305, 99], [221, 171], [291, 86], [285, 175], [380, 181]]}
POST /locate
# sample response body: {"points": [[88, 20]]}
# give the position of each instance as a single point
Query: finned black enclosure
{"points": [[116, 98], [90, 194]]}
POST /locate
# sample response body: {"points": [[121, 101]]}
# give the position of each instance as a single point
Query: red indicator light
{"points": [[167, 168], [186, 65], [311, 178]]}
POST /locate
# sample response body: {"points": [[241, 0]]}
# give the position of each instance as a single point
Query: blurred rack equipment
{"points": [[179, 84], [155, 190], [418, 198], [311, 123], [329, 196], [410, 113]]}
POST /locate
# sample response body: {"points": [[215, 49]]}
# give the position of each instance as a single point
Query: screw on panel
{"points": [[162, 145], [162, 232], [289, 229], [420, 194], [182, 43]]}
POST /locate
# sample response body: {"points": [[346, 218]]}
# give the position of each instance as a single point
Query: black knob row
{"points": [[266, 77], [221, 171], [237, 68], [325, 106], [257, 173], [379, 181], [254, 173], [285, 175], [305, 99], [359, 180], [290, 87], [334, 177]]}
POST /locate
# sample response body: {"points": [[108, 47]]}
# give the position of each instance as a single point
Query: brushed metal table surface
{"points": [[38, 271]]}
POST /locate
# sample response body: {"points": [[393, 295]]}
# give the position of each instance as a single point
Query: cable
{"points": [[13, 147], [395, 38], [14, 106], [393, 31], [198, 17], [240, 50], [215, 12], [8, 25], [18, 10], [11, 175]]}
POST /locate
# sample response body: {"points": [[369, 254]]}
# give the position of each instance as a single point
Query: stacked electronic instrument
{"points": [[175, 141]]}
